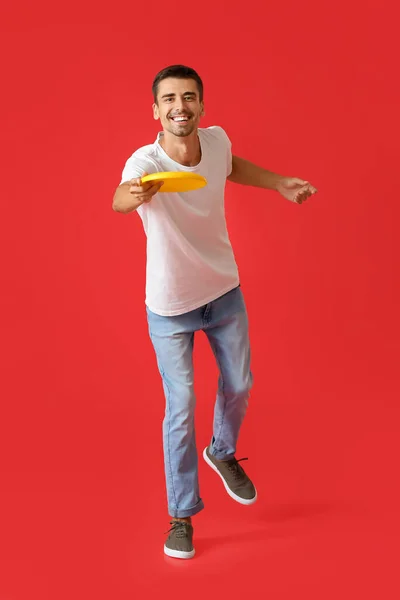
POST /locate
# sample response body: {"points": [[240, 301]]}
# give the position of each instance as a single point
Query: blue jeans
{"points": [[225, 324]]}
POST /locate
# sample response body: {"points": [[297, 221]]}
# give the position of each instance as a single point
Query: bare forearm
{"points": [[124, 201], [247, 173]]}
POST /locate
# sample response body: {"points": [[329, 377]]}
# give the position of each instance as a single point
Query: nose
{"points": [[180, 104]]}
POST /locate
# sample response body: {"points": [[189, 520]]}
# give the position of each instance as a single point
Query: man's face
{"points": [[178, 106]]}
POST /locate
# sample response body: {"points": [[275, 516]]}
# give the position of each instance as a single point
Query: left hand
{"points": [[294, 189]]}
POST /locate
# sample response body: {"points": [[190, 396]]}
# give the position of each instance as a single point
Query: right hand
{"points": [[143, 193]]}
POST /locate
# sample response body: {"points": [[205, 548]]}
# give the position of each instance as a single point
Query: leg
{"points": [[173, 341], [229, 338]]}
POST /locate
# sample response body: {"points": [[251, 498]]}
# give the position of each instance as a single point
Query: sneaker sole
{"points": [[234, 496], [178, 553]]}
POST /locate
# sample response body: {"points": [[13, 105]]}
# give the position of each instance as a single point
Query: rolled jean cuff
{"points": [[219, 455], [179, 513]]}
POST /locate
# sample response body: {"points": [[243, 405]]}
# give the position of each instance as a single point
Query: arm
{"points": [[132, 194], [123, 200], [247, 173]]}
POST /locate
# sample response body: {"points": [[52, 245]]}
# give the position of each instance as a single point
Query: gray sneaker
{"points": [[180, 540], [234, 478]]}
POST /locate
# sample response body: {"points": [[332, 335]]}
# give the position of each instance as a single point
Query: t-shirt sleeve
{"points": [[135, 166], [228, 150]]}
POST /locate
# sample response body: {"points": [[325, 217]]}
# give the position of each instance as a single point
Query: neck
{"points": [[185, 151]]}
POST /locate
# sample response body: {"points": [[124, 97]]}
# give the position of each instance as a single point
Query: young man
{"points": [[192, 284]]}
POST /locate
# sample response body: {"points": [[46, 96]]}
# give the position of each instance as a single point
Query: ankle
{"points": [[184, 519]]}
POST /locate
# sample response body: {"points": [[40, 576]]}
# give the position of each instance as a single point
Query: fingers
{"points": [[303, 194], [152, 191], [148, 191], [144, 193], [137, 181], [137, 188]]}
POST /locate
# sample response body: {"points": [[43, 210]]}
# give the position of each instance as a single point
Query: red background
{"points": [[308, 89]]}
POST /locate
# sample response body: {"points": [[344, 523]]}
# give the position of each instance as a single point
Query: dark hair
{"points": [[179, 72]]}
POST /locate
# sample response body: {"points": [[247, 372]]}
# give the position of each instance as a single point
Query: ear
{"points": [[203, 112], [156, 113]]}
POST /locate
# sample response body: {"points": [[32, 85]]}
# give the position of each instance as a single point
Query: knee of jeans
{"points": [[239, 387], [181, 403]]}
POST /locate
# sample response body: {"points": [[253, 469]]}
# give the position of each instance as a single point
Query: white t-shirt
{"points": [[190, 260]]}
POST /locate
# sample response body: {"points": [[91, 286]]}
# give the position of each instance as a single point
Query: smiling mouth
{"points": [[181, 119]]}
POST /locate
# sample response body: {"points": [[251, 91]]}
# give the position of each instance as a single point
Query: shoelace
{"points": [[180, 528], [235, 468]]}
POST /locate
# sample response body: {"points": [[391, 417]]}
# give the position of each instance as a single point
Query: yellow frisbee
{"points": [[177, 181]]}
